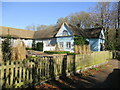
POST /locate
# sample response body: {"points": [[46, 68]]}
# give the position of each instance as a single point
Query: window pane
{"points": [[68, 45], [61, 44], [65, 33]]}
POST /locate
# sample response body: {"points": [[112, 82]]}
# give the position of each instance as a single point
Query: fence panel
{"points": [[18, 73], [82, 49]]}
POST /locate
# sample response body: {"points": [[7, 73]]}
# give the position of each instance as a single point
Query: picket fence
{"points": [[30, 72]]}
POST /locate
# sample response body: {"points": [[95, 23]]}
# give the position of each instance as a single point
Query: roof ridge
{"points": [[16, 28]]}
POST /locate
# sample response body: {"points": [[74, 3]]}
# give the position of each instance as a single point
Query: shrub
{"points": [[56, 52], [6, 48], [80, 41], [71, 53], [39, 46], [29, 49], [33, 45]]}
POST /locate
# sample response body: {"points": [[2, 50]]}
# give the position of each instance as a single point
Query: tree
{"points": [[81, 18], [41, 27], [31, 27], [102, 13], [44, 27], [62, 20], [6, 48]]}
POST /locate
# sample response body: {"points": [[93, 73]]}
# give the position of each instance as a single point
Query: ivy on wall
{"points": [[80, 41]]}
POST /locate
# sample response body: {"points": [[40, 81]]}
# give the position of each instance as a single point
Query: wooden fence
{"points": [[82, 49], [0, 53], [29, 72]]}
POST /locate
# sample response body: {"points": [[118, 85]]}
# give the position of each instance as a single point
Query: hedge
{"points": [[71, 53], [29, 49], [59, 52], [56, 52]]}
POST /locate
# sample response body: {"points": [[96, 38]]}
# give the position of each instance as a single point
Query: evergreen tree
{"points": [[6, 48]]}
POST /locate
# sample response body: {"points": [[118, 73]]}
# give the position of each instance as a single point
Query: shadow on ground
{"points": [[74, 82], [78, 81], [104, 78], [112, 81]]}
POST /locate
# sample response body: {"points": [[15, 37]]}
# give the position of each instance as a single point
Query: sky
{"points": [[22, 14]]}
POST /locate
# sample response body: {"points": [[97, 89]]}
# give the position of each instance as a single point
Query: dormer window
{"points": [[65, 33]]}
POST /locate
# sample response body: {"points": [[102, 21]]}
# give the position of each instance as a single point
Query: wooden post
{"points": [[31, 74], [20, 71], [16, 71], [7, 73], [24, 74], [2, 75], [75, 48]]}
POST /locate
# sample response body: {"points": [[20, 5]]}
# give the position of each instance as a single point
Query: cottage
{"points": [[62, 37]]}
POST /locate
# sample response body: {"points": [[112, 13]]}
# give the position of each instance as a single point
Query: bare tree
{"points": [[31, 27], [62, 20], [41, 27]]}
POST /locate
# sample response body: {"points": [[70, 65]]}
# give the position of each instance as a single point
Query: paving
{"points": [[109, 76]]}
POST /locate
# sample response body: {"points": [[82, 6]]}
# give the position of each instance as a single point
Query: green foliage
{"points": [[29, 48], [33, 45], [56, 52], [111, 41], [111, 46], [6, 48], [80, 41], [95, 69], [71, 53], [39, 46]]}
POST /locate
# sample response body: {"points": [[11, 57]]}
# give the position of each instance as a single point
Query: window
{"points": [[61, 44], [65, 33], [68, 45]]}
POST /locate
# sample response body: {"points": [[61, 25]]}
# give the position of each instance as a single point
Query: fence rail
{"points": [[28, 72]]}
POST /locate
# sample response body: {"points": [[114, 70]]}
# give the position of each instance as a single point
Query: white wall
{"points": [[64, 27], [28, 42], [47, 44]]}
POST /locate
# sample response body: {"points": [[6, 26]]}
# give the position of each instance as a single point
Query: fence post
{"points": [[74, 65], [51, 68], [64, 66]]}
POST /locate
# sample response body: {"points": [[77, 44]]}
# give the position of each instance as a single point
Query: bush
{"points": [[80, 41], [6, 48], [71, 53], [33, 45], [29, 49], [39, 46], [56, 52]]}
